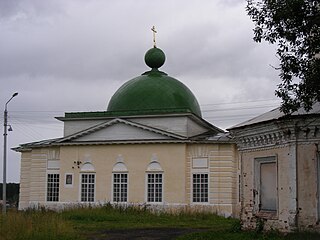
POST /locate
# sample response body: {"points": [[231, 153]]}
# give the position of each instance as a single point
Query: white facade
{"points": [[168, 161]]}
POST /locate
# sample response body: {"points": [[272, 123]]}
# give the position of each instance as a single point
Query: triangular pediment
{"points": [[120, 130], [188, 126]]}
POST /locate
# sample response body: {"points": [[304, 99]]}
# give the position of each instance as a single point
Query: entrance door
{"points": [[268, 186]]}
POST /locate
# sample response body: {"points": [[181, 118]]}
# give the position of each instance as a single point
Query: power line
{"points": [[237, 108], [224, 112], [245, 102]]}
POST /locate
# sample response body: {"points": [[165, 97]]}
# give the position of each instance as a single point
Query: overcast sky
{"points": [[72, 55]]}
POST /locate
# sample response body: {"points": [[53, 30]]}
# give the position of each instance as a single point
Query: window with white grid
{"points": [[53, 187], [200, 187], [87, 187], [154, 187], [120, 187]]}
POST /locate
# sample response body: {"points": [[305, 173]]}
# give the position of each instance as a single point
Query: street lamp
{"points": [[4, 185]]}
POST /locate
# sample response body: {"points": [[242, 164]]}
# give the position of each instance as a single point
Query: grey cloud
{"points": [[73, 55], [13, 10]]}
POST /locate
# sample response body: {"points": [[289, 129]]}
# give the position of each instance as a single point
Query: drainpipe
{"points": [[318, 179], [297, 175], [241, 186]]}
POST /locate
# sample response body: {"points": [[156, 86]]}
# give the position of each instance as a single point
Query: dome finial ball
{"points": [[155, 57]]}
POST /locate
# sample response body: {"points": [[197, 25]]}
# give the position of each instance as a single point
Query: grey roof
{"points": [[221, 137], [29, 145], [277, 114]]}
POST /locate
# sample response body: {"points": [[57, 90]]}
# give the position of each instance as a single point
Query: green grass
{"points": [[108, 217], [81, 222], [36, 225]]}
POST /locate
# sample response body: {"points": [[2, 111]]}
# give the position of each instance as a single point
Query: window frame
{"points": [[53, 197], [68, 185], [94, 187], [113, 187], [154, 183], [208, 188]]}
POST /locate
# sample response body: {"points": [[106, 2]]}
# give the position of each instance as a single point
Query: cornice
{"points": [[278, 133]]}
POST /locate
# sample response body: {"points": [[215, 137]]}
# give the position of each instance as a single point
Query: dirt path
{"points": [[143, 234]]}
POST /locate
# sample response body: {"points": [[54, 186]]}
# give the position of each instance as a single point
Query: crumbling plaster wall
{"points": [[285, 218], [307, 185], [294, 141]]}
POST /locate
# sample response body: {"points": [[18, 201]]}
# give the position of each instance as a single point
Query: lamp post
{"points": [[4, 185]]}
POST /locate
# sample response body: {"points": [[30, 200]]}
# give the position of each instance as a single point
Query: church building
{"points": [[150, 147]]}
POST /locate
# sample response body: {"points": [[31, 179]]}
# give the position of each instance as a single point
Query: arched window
{"points": [[154, 183], [120, 183], [87, 167], [87, 181]]}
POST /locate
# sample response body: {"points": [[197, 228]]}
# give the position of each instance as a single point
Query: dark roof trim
{"points": [[112, 114], [30, 146]]}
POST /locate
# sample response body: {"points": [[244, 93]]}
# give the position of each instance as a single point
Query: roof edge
{"points": [[133, 113]]}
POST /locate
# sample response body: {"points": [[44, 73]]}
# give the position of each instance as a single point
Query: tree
{"points": [[294, 25], [12, 192]]}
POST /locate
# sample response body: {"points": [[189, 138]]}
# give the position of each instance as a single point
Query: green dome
{"points": [[154, 92]]}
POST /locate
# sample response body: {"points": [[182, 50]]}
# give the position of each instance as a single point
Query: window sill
{"points": [[270, 215]]}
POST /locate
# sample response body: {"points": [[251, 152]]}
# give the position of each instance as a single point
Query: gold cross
{"points": [[153, 29]]}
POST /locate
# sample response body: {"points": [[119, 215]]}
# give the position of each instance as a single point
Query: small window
{"points": [[69, 180], [200, 187], [53, 187], [120, 187], [154, 187], [87, 187]]}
